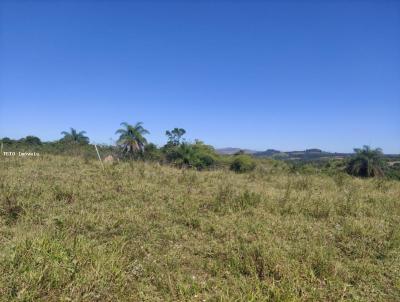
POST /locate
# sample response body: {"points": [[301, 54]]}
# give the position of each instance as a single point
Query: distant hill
{"points": [[230, 151], [309, 154], [269, 152], [304, 155]]}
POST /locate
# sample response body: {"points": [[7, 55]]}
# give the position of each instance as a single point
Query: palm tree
{"points": [[131, 138], [75, 137], [366, 162]]}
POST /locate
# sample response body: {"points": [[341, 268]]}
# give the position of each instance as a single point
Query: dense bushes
{"points": [[191, 155], [152, 153], [60, 147], [393, 171], [197, 155], [242, 163]]}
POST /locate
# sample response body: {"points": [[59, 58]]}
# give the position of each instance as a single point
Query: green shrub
{"points": [[242, 163], [393, 171], [197, 155], [151, 152]]}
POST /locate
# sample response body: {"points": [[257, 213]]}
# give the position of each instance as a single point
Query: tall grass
{"points": [[144, 232]]}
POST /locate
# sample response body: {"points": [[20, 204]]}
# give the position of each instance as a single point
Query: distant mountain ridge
{"points": [[308, 154], [230, 151]]}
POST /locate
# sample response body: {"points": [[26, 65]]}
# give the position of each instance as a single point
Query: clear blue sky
{"points": [[259, 74]]}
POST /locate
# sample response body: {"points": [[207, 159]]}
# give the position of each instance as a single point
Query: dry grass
{"points": [[143, 232]]}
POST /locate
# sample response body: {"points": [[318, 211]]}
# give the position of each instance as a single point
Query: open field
{"points": [[144, 232]]}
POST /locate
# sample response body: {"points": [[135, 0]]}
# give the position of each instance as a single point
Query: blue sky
{"points": [[251, 74]]}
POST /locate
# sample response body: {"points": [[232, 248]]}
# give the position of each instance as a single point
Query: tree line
{"points": [[132, 144]]}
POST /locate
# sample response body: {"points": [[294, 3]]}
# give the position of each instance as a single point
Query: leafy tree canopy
{"points": [[7, 140], [32, 140], [175, 136]]}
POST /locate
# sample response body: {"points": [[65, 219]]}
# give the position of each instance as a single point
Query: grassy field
{"points": [[144, 232]]}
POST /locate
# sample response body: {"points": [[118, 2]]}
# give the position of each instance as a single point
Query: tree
{"points": [[75, 137], [32, 140], [131, 138], [175, 136], [7, 140], [366, 162]]}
